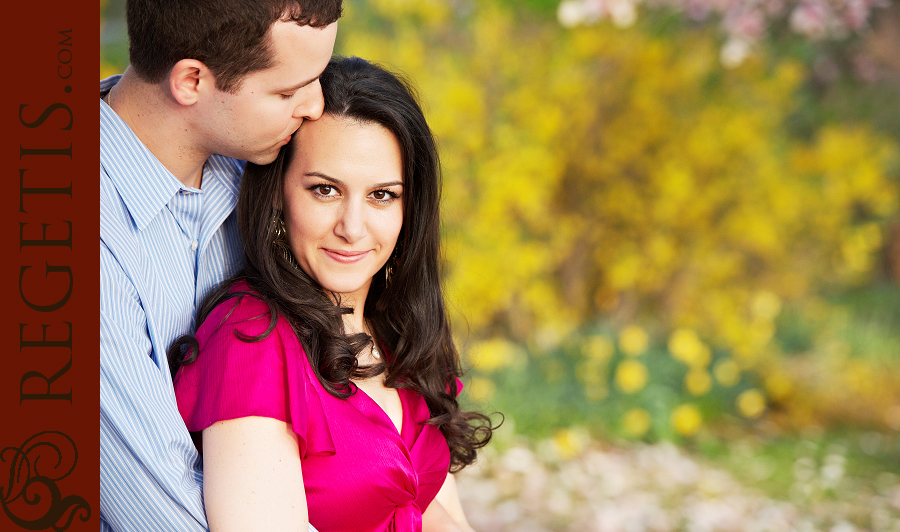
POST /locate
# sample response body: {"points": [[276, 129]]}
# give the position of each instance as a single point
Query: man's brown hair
{"points": [[231, 37]]}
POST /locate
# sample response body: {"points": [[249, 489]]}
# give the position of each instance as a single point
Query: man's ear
{"points": [[188, 79]]}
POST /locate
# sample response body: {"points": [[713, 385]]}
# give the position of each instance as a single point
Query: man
{"points": [[211, 83]]}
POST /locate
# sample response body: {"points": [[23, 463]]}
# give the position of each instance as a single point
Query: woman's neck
{"points": [[355, 322]]}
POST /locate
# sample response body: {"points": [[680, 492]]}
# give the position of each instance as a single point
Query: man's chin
{"points": [[263, 158]]}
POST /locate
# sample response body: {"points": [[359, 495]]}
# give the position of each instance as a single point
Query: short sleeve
{"points": [[233, 378]]}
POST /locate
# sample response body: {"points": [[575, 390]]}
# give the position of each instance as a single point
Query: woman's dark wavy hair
{"points": [[407, 313]]}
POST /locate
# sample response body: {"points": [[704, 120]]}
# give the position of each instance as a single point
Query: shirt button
{"points": [[194, 245]]}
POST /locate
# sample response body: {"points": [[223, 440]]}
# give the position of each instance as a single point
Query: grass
{"points": [[840, 463], [776, 464]]}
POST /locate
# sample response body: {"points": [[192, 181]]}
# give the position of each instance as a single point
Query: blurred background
{"points": [[672, 238]]}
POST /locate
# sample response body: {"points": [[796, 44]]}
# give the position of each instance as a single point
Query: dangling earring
{"points": [[279, 240], [389, 267]]}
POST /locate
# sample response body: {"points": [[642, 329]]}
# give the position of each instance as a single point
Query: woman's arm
{"points": [[252, 480], [445, 509], [436, 519]]}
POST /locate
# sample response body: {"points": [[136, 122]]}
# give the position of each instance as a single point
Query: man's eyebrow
{"points": [[294, 88], [340, 183]]}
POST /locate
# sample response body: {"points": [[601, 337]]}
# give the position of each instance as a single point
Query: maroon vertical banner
{"points": [[49, 273]]}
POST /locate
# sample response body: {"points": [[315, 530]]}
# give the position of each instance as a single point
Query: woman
{"points": [[333, 340]]}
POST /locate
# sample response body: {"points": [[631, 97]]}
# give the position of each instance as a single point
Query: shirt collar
{"points": [[145, 185]]}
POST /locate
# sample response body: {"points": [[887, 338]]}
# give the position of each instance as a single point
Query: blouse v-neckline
{"points": [[371, 409]]}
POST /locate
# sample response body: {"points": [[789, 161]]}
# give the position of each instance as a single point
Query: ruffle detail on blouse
{"points": [[431, 467], [232, 378], [307, 416]]}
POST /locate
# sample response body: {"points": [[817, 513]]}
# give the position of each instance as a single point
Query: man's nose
{"points": [[311, 107]]}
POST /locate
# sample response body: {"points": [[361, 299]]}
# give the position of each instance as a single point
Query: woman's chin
{"points": [[347, 288]]}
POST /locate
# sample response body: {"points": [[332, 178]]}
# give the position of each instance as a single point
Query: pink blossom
{"points": [[745, 23], [811, 18]]}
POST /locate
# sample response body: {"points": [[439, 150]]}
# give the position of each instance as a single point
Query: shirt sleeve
{"points": [[150, 477], [267, 377]]}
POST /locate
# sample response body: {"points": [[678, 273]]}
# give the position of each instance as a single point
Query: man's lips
{"points": [[345, 257]]}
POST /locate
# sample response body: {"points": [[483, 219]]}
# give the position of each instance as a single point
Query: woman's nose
{"points": [[352, 225]]}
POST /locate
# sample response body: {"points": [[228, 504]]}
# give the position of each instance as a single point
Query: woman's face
{"points": [[343, 203]]}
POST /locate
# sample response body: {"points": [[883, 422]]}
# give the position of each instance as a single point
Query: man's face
{"points": [[254, 123]]}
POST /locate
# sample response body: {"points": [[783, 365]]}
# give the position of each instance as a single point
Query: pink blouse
{"points": [[359, 473]]}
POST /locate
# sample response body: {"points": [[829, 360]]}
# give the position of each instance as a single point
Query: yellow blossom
{"points": [[636, 422], [766, 305], [751, 403], [778, 385], [686, 346], [727, 372], [598, 347], [633, 340], [686, 419], [631, 376], [571, 441], [697, 381]]}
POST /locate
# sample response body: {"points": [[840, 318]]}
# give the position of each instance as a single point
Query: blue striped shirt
{"points": [[163, 246]]}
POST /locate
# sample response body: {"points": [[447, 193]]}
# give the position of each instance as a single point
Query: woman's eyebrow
{"points": [[388, 184], [340, 183], [326, 178]]}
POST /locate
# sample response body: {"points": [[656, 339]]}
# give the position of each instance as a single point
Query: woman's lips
{"points": [[345, 257]]}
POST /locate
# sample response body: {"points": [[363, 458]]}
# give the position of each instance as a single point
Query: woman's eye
{"points": [[324, 190], [384, 196], [287, 96]]}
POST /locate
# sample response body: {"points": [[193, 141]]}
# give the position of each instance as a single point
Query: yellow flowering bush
{"points": [[601, 175]]}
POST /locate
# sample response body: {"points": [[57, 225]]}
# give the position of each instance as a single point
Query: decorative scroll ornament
{"points": [[31, 497]]}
